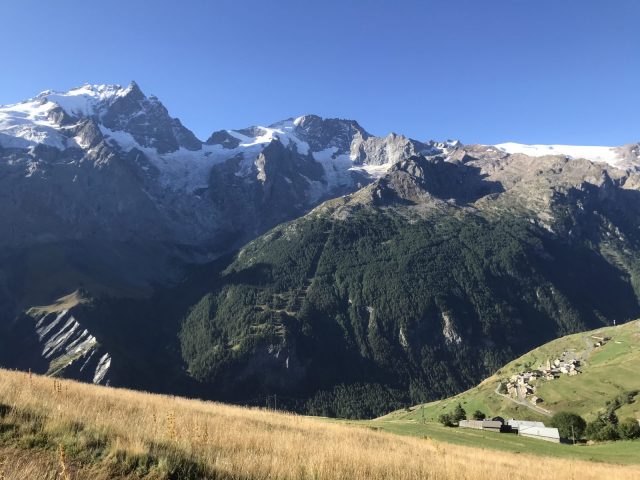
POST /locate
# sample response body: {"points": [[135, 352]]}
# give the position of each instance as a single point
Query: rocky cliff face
{"points": [[53, 340]]}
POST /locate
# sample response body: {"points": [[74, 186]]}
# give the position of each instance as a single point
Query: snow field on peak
{"points": [[26, 124], [186, 170], [85, 100], [182, 170], [337, 168], [283, 131], [30, 123], [608, 155]]}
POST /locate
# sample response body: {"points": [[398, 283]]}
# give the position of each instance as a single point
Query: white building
{"points": [[516, 424], [540, 433]]}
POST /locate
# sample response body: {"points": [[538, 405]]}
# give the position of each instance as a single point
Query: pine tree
{"points": [[458, 414]]}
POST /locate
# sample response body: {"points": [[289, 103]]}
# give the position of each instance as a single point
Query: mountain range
{"points": [[346, 273]]}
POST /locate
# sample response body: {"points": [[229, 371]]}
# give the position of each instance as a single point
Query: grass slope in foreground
{"points": [[607, 372], [52, 429]]}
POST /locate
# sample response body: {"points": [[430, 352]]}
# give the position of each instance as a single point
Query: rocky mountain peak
{"points": [[113, 107], [147, 120], [419, 180], [223, 138], [87, 100], [322, 134], [134, 90]]}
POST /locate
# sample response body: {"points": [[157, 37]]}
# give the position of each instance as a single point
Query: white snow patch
{"points": [[608, 155], [336, 167], [43, 332], [374, 171], [182, 170], [282, 131], [86, 100], [122, 139], [60, 338], [103, 367], [27, 124]]}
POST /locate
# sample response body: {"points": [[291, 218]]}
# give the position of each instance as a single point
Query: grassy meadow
{"points": [[52, 429], [622, 452], [607, 372]]}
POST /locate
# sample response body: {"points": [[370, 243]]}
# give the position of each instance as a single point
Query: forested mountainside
{"points": [[397, 295]]}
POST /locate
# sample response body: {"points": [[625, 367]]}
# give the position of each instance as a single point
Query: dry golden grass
{"points": [[104, 430], [16, 464]]}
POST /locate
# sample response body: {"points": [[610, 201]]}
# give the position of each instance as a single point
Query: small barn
{"points": [[540, 433], [477, 424], [491, 425]]}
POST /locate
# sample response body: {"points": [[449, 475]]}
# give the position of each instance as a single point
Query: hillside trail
{"points": [[584, 358]]}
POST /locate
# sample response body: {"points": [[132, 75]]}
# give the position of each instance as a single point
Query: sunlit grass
{"points": [[110, 433]]}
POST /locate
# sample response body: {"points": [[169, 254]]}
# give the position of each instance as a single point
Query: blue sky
{"points": [[483, 71]]}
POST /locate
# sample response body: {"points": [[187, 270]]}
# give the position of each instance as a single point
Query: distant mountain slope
{"points": [[421, 283], [607, 372]]}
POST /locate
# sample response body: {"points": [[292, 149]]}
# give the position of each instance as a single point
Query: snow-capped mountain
{"points": [[101, 187], [48, 119], [128, 120], [109, 162]]}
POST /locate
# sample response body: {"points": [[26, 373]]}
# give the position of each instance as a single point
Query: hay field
{"points": [[52, 429]]}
